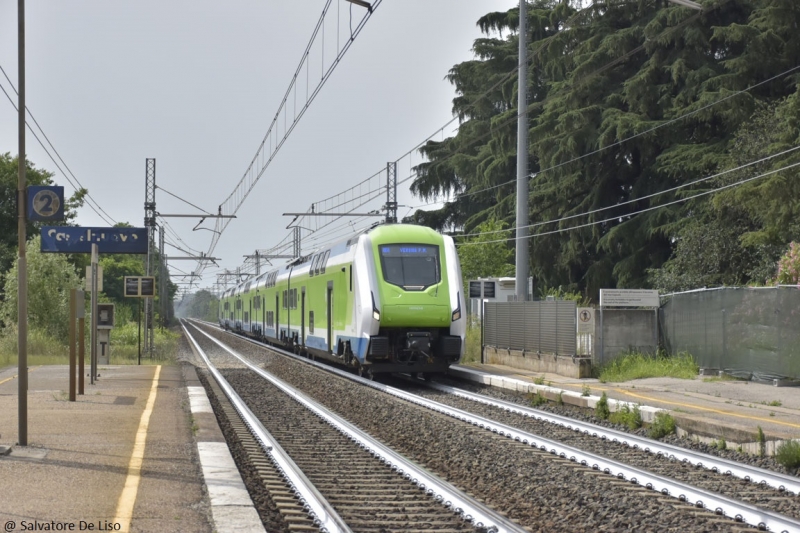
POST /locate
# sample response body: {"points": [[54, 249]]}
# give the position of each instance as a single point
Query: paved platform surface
{"points": [[704, 406], [124, 453]]}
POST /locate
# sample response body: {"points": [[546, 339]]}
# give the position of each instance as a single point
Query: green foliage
{"points": [[599, 76], [637, 365], [720, 444], [788, 454], [789, 266], [586, 390], [662, 425], [601, 410], [43, 348], [538, 380], [631, 418], [472, 348], [202, 305], [537, 399], [50, 279], [481, 258], [762, 442]]}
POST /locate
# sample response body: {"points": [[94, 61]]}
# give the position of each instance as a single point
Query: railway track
{"points": [[700, 505], [359, 484]]}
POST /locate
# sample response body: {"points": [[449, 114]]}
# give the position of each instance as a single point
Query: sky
{"points": [[195, 85]]}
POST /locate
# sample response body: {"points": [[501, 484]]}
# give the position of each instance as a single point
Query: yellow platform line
{"points": [[15, 375], [718, 411], [128, 497]]}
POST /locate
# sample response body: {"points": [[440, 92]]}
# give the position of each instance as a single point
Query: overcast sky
{"points": [[195, 84]]}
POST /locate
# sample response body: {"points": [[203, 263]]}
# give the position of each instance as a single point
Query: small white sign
{"points": [[585, 321], [89, 278], [629, 298]]}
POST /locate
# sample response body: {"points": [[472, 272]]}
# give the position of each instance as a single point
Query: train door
{"points": [[263, 316], [329, 314], [277, 316], [303, 316], [250, 316]]}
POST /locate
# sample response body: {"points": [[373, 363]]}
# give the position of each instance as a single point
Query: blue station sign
{"points": [[46, 203], [79, 240]]}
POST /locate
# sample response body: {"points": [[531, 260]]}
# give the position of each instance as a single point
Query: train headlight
{"points": [[457, 312], [375, 313]]}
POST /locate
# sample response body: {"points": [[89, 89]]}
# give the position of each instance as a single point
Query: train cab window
{"points": [[411, 266], [324, 261]]}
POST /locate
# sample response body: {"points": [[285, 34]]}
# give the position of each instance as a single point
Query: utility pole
{"points": [[22, 267], [522, 161]]}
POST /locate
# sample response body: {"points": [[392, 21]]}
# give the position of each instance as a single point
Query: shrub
{"points": [[537, 399], [788, 454], [601, 410], [662, 426], [632, 418], [789, 266]]}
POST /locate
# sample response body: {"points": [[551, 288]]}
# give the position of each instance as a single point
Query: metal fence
{"points": [[747, 332], [546, 327]]}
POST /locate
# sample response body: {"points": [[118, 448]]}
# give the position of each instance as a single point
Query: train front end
{"points": [[418, 320]]}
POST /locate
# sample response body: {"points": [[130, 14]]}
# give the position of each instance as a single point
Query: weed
{"points": [[773, 403], [720, 444], [472, 343], [662, 426], [772, 413], [632, 418], [560, 400], [762, 442], [537, 399], [601, 410], [538, 380], [788, 454], [637, 365], [549, 383], [586, 390]]}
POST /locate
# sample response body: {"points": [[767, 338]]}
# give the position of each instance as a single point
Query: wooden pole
{"points": [[81, 352]]}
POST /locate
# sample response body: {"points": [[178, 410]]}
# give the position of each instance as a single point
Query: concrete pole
{"points": [[522, 161], [22, 266], [93, 326]]}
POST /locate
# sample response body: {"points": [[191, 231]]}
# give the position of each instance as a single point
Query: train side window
{"points": [[284, 300], [311, 321], [324, 261]]}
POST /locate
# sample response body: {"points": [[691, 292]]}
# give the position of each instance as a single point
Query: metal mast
{"points": [[522, 161], [150, 224], [391, 192]]}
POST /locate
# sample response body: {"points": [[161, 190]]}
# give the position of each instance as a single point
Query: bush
{"points": [[601, 410], [788, 454], [662, 426], [632, 418], [472, 342], [789, 266]]}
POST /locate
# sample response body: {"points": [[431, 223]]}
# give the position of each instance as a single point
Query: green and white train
{"points": [[387, 300]]}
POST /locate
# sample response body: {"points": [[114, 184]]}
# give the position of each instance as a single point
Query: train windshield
{"points": [[411, 266]]}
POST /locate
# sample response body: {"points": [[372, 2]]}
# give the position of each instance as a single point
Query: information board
{"points": [[79, 240], [629, 298], [140, 286]]}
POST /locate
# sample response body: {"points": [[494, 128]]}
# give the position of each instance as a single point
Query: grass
{"points": [[586, 390], [44, 349], [637, 365], [662, 426], [472, 343], [788, 454], [537, 399], [632, 418], [762, 442]]}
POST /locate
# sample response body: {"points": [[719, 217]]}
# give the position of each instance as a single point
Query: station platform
{"points": [[139, 451], [706, 408]]}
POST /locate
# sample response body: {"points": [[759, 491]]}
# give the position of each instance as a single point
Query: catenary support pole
{"points": [[81, 351], [93, 327], [522, 160], [22, 267], [73, 305]]}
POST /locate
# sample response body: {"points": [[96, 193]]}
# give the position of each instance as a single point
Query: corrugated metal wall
{"points": [[543, 327]]}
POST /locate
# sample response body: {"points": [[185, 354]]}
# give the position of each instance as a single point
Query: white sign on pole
{"points": [[89, 278], [629, 298], [585, 321]]}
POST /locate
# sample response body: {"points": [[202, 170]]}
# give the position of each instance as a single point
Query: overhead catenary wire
{"points": [[91, 202], [631, 214]]}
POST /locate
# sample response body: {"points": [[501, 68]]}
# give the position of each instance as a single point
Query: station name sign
{"points": [[79, 240], [629, 298]]}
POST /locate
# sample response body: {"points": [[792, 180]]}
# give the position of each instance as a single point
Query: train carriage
{"points": [[387, 300]]}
